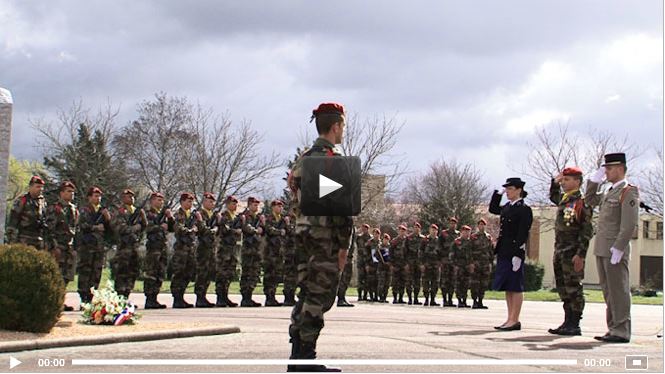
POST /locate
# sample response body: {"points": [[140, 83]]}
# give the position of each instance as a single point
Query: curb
{"points": [[29, 345]]}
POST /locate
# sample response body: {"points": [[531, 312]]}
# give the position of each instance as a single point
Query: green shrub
{"points": [[32, 291]]}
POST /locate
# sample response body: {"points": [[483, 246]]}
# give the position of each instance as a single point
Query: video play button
{"points": [[13, 362], [327, 185]]}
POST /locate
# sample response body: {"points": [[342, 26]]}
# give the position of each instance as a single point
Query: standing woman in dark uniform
{"points": [[516, 218]]}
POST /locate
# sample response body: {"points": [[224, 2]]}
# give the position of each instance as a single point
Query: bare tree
{"points": [[652, 193]]}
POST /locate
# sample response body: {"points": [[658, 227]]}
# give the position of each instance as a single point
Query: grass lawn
{"points": [[592, 296]]}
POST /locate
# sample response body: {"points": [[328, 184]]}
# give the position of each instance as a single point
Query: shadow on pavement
{"points": [[460, 332], [581, 346], [530, 339]]}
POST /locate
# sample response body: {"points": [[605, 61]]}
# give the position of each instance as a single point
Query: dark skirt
{"points": [[505, 279]]}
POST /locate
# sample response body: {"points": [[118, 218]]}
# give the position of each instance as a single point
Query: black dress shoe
{"points": [[499, 327], [514, 327], [614, 339], [601, 338]]}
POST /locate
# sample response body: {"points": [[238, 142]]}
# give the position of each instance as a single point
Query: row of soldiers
{"points": [[449, 259], [205, 249]]}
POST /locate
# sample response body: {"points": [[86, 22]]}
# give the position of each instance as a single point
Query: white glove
{"points": [[616, 256], [501, 190], [517, 262], [599, 176]]}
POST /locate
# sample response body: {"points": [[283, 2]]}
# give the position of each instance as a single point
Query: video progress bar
{"points": [[284, 362]]}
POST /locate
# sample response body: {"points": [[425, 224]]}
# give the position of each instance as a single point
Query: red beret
{"points": [[94, 190], [572, 171], [386, 236], [66, 184], [452, 219], [252, 199], [36, 179], [417, 224], [231, 198], [128, 192], [466, 227], [401, 227], [376, 229], [328, 108], [209, 195], [483, 221], [156, 194], [365, 225], [277, 202], [186, 196], [434, 226]]}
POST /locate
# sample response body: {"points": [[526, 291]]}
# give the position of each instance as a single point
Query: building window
{"points": [[659, 230], [645, 229]]}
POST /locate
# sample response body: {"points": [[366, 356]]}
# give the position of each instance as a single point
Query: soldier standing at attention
{"points": [[252, 227], [617, 220], [414, 242], [384, 270], [27, 219], [272, 258], [347, 273], [62, 220], [160, 222], [183, 260], [446, 239], [290, 267], [372, 267], [321, 246], [94, 221], [429, 260], [460, 256], [205, 251], [227, 253], [482, 257], [129, 222], [573, 230], [362, 261], [400, 268]]}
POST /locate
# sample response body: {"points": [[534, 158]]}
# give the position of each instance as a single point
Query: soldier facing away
{"points": [[27, 221]]}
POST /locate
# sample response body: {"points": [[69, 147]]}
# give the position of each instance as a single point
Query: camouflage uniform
{"points": [[383, 273], [27, 221], [573, 231], [205, 256], [155, 252], [62, 220], [275, 226], [447, 282], [125, 263], [460, 256], [413, 244], [345, 278], [290, 267], [482, 256], [251, 252], [183, 262], [400, 273], [429, 256], [362, 260], [318, 242], [372, 282], [91, 247], [227, 256]]}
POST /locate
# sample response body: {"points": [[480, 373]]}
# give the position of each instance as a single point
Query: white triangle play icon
{"points": [[13, 362], [327, 185]]}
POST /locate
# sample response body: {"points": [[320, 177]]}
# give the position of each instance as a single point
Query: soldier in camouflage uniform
{"points": [[400, 271], [372, 247], [384, 269], [429, 261], [227, 252], [413, 243], [460, 256], [290, 266], [347, 273], [94, 221], [573, 230], [205, 251], [275, 226], [183, 262], [27, 219], [482, 255], [129, 223], [160, 222], [62, 220], [447, 283], [253, 224], [362, 259], [321, 247]]}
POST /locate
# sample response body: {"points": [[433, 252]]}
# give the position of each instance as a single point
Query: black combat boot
{"points": [[179, 302], [475, 303], [295, 352], [410, 296], [221, 300], [415, 297], [247, 300], [271, 300], [426, 299], [341, 302], [394, 297], [372, 296], [202, 301], [229, 302], [152, 303], [289, 298], [480, 303], [307, 351], [573, 326], [400, 299], [448, 300], [432, 300], [565, 322]]}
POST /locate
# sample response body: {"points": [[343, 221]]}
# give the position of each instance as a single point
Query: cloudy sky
{"points": [[471, 82]]}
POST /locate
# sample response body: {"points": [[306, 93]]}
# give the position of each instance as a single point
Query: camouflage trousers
{"points": [[383, 278], [226, 262], [272, 269], [347, 273], [479, 281], [447, 280], [91, 262], [290, 270], [32, 240], [462, 275], [399, 275], [65, 256], [413, 280], [431, 278], [154, 267], [205, 268], [125, 268], [568, 281], [362, 274], [372, 280], [317, 250], [183, 265], [251, 267]]}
